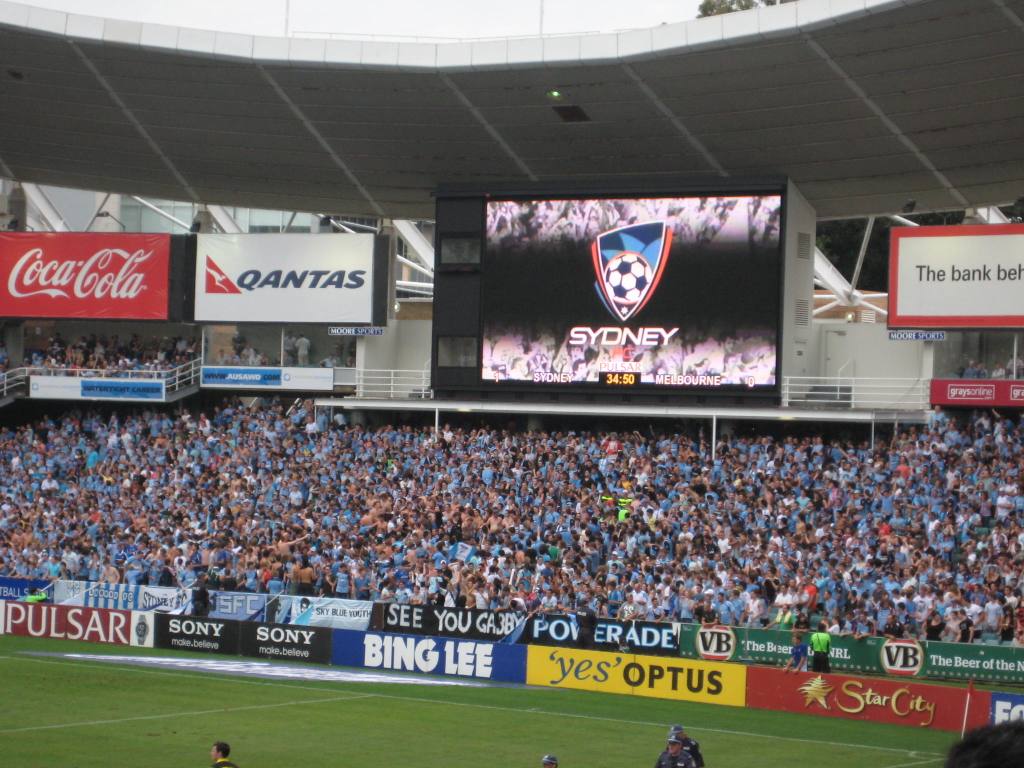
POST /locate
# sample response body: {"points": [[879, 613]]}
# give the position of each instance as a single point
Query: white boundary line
{"points": [[919, 762], [228, 678], [193, 713]]}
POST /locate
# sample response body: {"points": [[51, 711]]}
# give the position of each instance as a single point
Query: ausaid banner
{"points": [[122, 596], [603, 634], [445, 622], [430, 655], [876, 699], [16, 589], [293, 278], [67, 622], [88, 275]]}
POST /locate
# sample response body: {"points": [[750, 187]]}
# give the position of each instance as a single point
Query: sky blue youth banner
{"points": [[430, 655]]}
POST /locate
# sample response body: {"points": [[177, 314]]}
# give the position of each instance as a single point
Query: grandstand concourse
{"points": [[381, 371]]}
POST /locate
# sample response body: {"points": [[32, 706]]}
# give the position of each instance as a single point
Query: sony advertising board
{"points": [[651, 676], [504, 662], [78, 388], [445, 622], [284, 278], [660, 638], [658, 294], [84, 275], [956, 277], [189, 633], [283, 642], [876, 699]]}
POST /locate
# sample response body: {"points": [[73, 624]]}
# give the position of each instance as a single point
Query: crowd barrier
{"points": [[17, 589], [893, 701]]}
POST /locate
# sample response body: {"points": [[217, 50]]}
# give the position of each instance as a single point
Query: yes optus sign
{"points": [[89, 275]]}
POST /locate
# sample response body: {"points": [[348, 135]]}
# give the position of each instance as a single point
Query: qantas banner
{"points": [[860, 698], [84, 275], [975, 393], [284, 278]]}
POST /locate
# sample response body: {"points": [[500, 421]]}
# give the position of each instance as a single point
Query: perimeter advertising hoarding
{"points": [[283, 642], [252, 377], [651, 676], [875, 699], [65, 622], [445, 622], [974, 393], [956, 277], [659, 638], [1007, 707], [78, 388], [284, 278], [16, 589], [656, 294], [190, 633], [504, 662], [86, 275]]}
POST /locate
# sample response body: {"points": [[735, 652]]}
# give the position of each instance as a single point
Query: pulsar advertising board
{"points": [[189, 633], [84, 275], [503, 662], [652, 676], [285, 278], [956, 277], [283, 642], [92, 625]]}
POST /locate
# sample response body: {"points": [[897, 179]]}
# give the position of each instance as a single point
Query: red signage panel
{"points": [[861, 698], [973, 393], [84, 275], [66, 622]]}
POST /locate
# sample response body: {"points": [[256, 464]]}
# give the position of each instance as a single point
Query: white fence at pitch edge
{"points": [[840, 392]]}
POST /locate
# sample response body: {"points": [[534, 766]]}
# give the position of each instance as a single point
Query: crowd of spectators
{"points": [[918, 535], [111, 355], [1012, 369]]}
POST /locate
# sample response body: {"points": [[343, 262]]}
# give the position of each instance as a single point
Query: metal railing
{"points": [[12, 382], [837, 392], [393, 384], [187, 375], [110, 373]]}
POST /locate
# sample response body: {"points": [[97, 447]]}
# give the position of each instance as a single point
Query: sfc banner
{"points": [[653, 676]]}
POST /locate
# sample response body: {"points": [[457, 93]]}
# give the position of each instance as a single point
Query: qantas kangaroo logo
{"points": [[217, 281]]}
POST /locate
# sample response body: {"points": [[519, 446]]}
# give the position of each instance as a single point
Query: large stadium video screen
{"points": [[660, 293]]}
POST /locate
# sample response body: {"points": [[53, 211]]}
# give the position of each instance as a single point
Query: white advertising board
{"points": [[87, 388], [284, 278], [957, 277]]}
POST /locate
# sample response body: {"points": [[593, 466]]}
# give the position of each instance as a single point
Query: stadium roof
{"points": [[864, 103]]}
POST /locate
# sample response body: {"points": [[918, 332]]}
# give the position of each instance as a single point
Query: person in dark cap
{"points": [[690, 746], [674, 756], [550, 761]]}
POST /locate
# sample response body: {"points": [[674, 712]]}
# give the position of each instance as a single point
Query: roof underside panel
{"points": [[923, 101]]}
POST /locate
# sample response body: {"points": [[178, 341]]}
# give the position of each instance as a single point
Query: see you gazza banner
{"points": [[446, 622], [85, 275], [284, 278]]}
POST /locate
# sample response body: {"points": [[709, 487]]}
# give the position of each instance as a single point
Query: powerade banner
{"points": [[653, 676], [73, 388], [243, 606], [188, 633], [881, 701], [1006, 707], [445, 622], [247, 377], [283, 642], [331, 612], [430, 655], [122, 596], [88, 275], [660, 638], [284, 278], [16, 589]]}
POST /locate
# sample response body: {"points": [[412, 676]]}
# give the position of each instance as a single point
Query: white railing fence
{"points": [[393, 384], [13, 382], [837, 392], [187, 375]]}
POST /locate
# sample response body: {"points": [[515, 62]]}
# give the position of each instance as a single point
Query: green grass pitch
{"points": [[78, 714]]}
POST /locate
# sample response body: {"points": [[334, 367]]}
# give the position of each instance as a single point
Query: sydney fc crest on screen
{"points": [[629, 262]]}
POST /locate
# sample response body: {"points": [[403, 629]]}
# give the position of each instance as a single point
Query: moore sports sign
{"points": [[652, 676]]}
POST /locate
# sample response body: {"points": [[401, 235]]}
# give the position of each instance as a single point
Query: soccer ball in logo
{"points": [[627, 277]]}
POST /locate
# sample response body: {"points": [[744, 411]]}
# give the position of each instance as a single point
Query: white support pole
{"points": [[860, 254], [413, 265], [903, 221], [47, 210], [162, 213], [224, 220], [714, 437]]}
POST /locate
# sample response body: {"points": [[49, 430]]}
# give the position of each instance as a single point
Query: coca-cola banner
{"points": [[84, 275]]}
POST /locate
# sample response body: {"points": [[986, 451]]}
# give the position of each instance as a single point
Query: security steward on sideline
{"points": [[673, 756], [690, 746], [219, 753], [821, 644]]}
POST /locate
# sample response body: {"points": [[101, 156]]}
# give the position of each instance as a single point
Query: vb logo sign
{"points": [[902, 657], [716, 643]]}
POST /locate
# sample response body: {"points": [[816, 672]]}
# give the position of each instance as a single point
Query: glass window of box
{"points": [[980, 355], [310, 346], [242, 345]]}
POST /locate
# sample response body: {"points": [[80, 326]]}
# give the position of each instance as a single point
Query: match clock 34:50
{"points": [[620, 379]]}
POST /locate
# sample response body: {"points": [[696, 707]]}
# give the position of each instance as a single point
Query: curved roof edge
{"points": [[699, 34]]}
